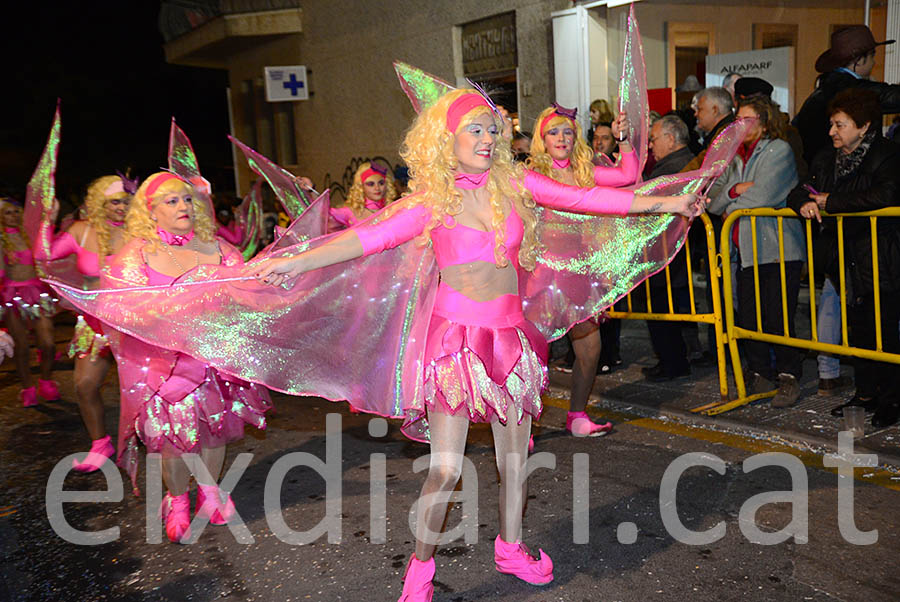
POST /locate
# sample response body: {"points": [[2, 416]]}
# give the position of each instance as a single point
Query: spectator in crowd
{"points": [[892, 131], [521, 145], [604, 142], [714, 112], [861, 172], [847, 64], [762, 175], [668, 143], [601, 114], [401, 179], [747, 87], [729, 82]]}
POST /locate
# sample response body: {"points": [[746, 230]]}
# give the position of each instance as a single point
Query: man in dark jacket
{"points": [[668, 143], [715, 110], [847, 64]]}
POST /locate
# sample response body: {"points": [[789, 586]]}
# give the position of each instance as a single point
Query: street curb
{"points": [[725, 423]]}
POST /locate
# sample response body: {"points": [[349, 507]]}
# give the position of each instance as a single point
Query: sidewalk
{"points": [[809, 422]]}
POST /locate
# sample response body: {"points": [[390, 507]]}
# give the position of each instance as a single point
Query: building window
{"points": [[688, 46]]}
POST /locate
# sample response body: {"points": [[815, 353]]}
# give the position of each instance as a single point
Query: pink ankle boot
{"points": [[515, 559], [29, 397], [417, 586], [48, 389], [210, 505], [101, 451], [176, 511], [580, 425]]}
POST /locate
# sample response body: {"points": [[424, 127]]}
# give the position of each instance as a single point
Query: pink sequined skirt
{"points": [[483, 360], [88, 340], [212, 414], [29, 298]]}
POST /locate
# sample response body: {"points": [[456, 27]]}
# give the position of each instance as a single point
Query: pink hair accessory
{"points": [[461, 106], [375, 169], [158, 180], [558, 111], [115, 188]]}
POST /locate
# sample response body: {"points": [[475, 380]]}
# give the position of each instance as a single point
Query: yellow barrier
{"points": [[734, 332], [714, 317]]}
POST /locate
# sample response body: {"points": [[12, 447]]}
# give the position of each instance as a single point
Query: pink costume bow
{"points": [[174, 240]]}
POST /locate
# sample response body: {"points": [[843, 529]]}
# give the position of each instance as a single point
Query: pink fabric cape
{"points": [[356, 331]]}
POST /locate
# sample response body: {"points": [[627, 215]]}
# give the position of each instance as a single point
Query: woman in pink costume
{"points": [[173, 402], [373, 188], [27, 303], [558, 151], [99, 235], [484, 362]]}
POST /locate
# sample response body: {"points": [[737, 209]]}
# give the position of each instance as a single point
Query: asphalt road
{"points": [[622, 481]]}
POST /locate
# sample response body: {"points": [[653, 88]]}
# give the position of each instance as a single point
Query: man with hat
{"points": [[847, 64], [748, 87]]}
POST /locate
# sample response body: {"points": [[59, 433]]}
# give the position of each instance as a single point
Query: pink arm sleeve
{"points": [[598, 200], [624, 174], [395, 230], [62, 245], [342, 215], [232, 236]]}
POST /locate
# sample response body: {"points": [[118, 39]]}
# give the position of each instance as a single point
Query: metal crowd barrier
{"points": [[714, 317], [735, 333]]}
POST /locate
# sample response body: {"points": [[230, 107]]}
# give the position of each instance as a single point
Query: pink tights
{"points": [[448, 444]]}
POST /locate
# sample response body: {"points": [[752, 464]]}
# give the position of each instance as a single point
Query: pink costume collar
{"points": [[11, 230], [174, 240], [557, 164], [114, 224], [471, 181], [374, 205], [461, 106]]}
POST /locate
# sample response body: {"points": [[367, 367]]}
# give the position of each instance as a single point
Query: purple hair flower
{"points": [[129, 185], [570, 113]]}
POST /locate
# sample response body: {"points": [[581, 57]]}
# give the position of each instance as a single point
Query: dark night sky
{"points": [[105, 60]]}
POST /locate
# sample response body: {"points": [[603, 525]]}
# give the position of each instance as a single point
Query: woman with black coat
{"points": [[860, 173]]}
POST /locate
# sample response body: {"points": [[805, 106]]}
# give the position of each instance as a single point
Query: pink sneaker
{"points": [[209, 505], [48, 389], [417, 586], [29, 397], [176, 511], [101, 451], [580, 425], [516, 559]]}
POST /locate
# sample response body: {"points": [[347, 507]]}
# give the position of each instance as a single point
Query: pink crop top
{"points": [[462, 244], [64, 245]]}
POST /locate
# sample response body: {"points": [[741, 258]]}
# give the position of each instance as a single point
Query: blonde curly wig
{"points": [[139, 224], [541, 162], [428, 151], [356, 198], [9, 250], [95, 205]]}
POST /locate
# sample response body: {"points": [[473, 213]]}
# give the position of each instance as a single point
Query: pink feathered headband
{"points": [[158, 180], [558, 111]]}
